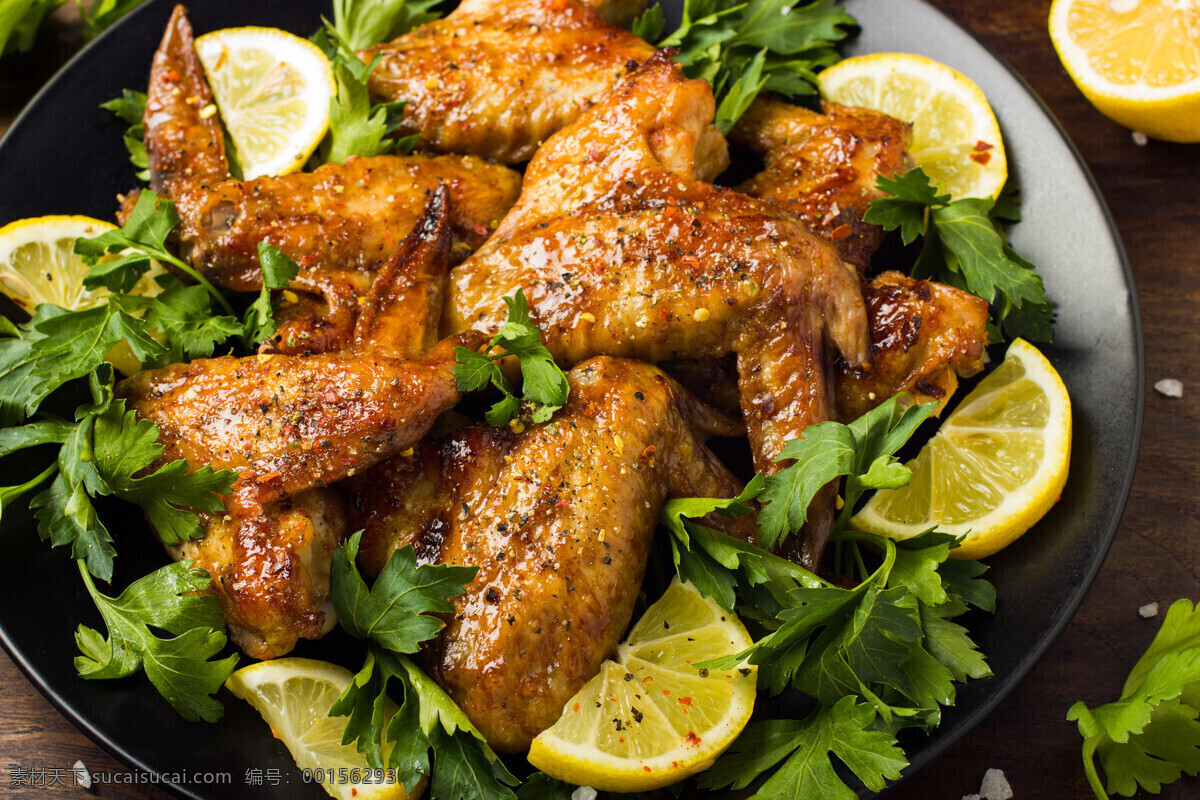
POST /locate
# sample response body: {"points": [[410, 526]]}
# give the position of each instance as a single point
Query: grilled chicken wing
{"points": [[340, 223], [622, 251], [293, 426], [559, 519], [496, 78], [824, 166]]}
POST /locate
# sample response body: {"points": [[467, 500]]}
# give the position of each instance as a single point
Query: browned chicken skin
{"points": [[559, 519], [622, 251], [340, 223], [496, 78], [291, 426], [823, 167]]}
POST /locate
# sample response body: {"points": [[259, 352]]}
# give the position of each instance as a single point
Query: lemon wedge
{"points": [[650, 718], [1137, 61], [294, 695], [995, 467], [38, 265], [273, 91], [955, 136]]}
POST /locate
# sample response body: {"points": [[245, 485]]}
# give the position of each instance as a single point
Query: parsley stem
{"points": [[10, 493], [187, 268]]}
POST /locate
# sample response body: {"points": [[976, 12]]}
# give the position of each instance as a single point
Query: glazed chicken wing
{"points": [[823, 167], [622, 251], [291, 427], [559, 519], [496, 78], [340, 223]]}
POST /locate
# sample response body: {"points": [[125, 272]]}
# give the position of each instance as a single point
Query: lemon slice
{"points": [[995, 467], [955, 137], [650, 718], [294, 695], [1137, 61], [38, 265], [273, 90]]}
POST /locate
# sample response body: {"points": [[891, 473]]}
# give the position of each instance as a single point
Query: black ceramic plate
{"points": [[64, 156]]}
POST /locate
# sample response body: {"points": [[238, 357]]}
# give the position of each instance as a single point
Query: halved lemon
{"points": [[294, 695], [1137, 61], [650, 718], [955, 137], [273, 90], [38, 265], [994, 468]]}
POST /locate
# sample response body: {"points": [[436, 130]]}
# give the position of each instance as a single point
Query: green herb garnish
{"points": [[965, 247], [545, 385]]}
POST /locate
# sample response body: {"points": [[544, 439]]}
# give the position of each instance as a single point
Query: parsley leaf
{"points": [[395, 615], [278, 270], [1150, 736], [844, 729], [965, 246], [863, 450], [362, 23], [19, 23], [141, 239], [545, 386], [398, 611], [748, 47], [131, 107], [171, 599]]}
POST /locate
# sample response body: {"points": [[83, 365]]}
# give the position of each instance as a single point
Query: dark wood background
{"points": [[1154, 193]]}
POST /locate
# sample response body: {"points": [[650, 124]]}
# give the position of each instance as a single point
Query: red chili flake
{"points": [[621, 739], [481, 230], [575, 707], [842, 231], [171, 77], [562, 503], [692, 739], [981, 158], [645, 769], [269, 476], [687, 701], [666, 692], [981, 145]]}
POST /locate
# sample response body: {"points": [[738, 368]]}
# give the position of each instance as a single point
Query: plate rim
{"points": [[938, 748]]}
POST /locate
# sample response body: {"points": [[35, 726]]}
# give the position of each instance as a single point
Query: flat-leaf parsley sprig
{"points": [[544, 384], [965, 246], [746, 48], [875, 658], [1151, 735], [395, 615]]}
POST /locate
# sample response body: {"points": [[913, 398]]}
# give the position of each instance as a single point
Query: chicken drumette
{"points": [[496, 78], [559, 519], [341, 223]]}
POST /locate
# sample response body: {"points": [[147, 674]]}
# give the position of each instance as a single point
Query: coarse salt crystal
{"points": [[584, 793], [995, 786], [1169, 387], [1140, 139], [1149, 610], [82, 776]]}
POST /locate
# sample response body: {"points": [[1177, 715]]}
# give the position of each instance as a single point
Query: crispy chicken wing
{"points": [[824, 166], [341, 223], [292, 426], [559, 519], [621, 250], [496, 78]]}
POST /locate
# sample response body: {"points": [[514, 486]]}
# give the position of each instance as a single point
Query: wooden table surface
{"points": [[1154, 193]]}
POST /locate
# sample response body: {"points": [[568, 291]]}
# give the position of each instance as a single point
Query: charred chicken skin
{"points": [[622, 250], [340, 223], [496, 78], [559, 519], [293, 426]]}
